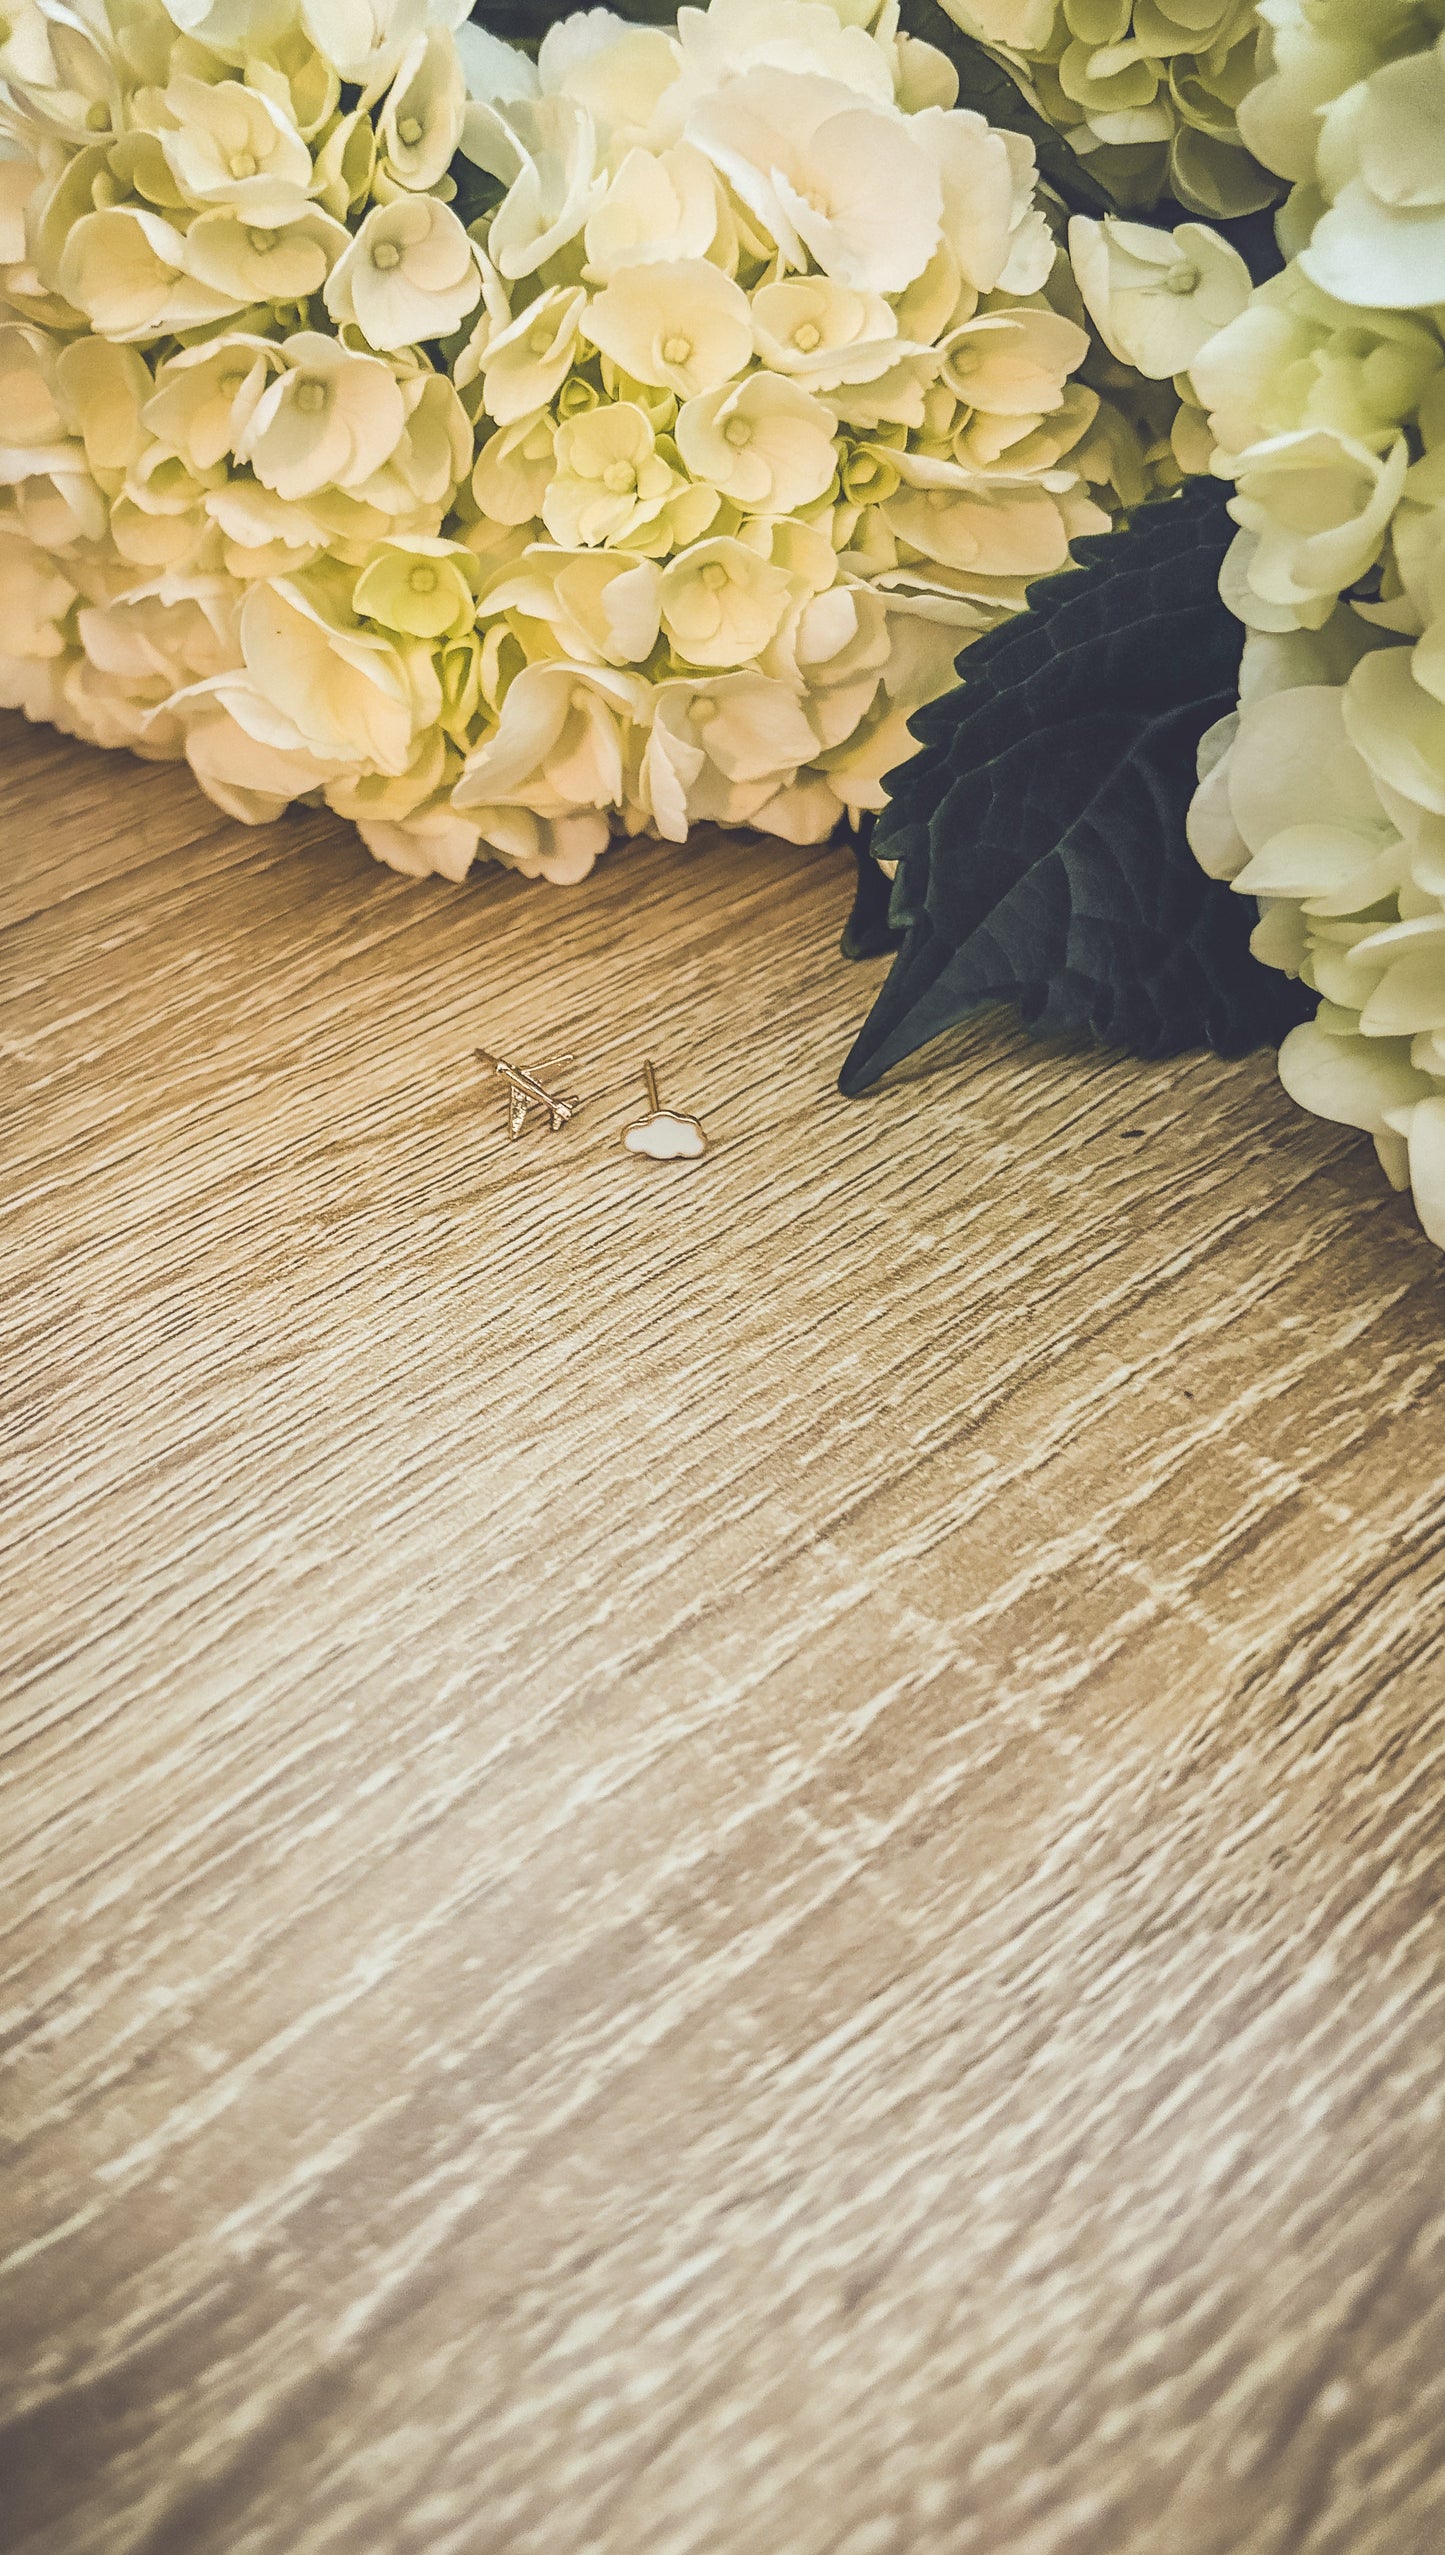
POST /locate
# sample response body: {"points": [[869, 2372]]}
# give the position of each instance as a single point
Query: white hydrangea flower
{"points": [[1295, 358], [603, 606], [1315, 508], [986, 183], [840, 644], [127, 270], [365, 41], [30, 399], [544, 151], [420, 126], [25, 52], [429, 842], [624, 78], [35, 598], [674, 324], [205, 397], [561, 745], [240, 262], [514, 470], [1157, 297], [832, 177], [610, 478], [765, 443], [314, 682], [660, 205], [721, 604], [105, 389], [996, 528], [1381, 165], [801, 36], [1296, 809], [330, 419], [419, 585], [1011, 364], [232, 145], [718, 751], [524, 365], [823, 334], [409, 274]]}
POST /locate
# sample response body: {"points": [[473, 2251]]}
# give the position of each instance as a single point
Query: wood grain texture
{"points": [[739, 1860]]}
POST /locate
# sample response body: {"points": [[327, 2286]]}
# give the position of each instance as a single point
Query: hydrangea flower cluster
{"points": [[1147, 92], [1325, 795], [513, 453]]}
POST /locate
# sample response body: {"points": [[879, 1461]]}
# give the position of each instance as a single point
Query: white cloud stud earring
{"points": [[664, 1134]]}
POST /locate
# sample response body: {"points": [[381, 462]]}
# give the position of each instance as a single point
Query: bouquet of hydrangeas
{"points": [[1324, 796], [515, 452]]}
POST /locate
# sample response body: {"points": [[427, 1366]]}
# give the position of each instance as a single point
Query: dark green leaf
{"points": [[869, 932], [1040, 832]]}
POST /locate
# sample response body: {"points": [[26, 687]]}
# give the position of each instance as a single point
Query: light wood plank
{"points": [[740, 1857]]}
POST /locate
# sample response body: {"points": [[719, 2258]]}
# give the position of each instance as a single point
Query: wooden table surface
{"points": [[722, 1860]]}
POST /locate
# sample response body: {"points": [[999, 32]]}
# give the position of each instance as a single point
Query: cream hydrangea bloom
{"points": [[1148, 91], [1325, 797], [410, 273], [251, 262], [609, 478], [1350, 873], [544, 150], [764, 442], [329, 420], [1381, 167], [718, 751], [824, 334], [835, 180], [420, 127], [561, 745], [232, 145], [206, 396], [722, 605], [1294, 358], [659, 206], [524, 365], [675, 324], [127, 270], [1157, 298], [604, 607], [507, 453], [1315, 508]]}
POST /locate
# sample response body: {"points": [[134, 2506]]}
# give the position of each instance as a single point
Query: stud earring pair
{"points": [[664, 1135]]}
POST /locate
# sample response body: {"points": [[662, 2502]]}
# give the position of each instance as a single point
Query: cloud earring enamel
{"points": [[664, 1135]]}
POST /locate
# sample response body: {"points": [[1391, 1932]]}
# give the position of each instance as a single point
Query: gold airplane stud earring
{"points": [[664, 1134], [525, 1092]]}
